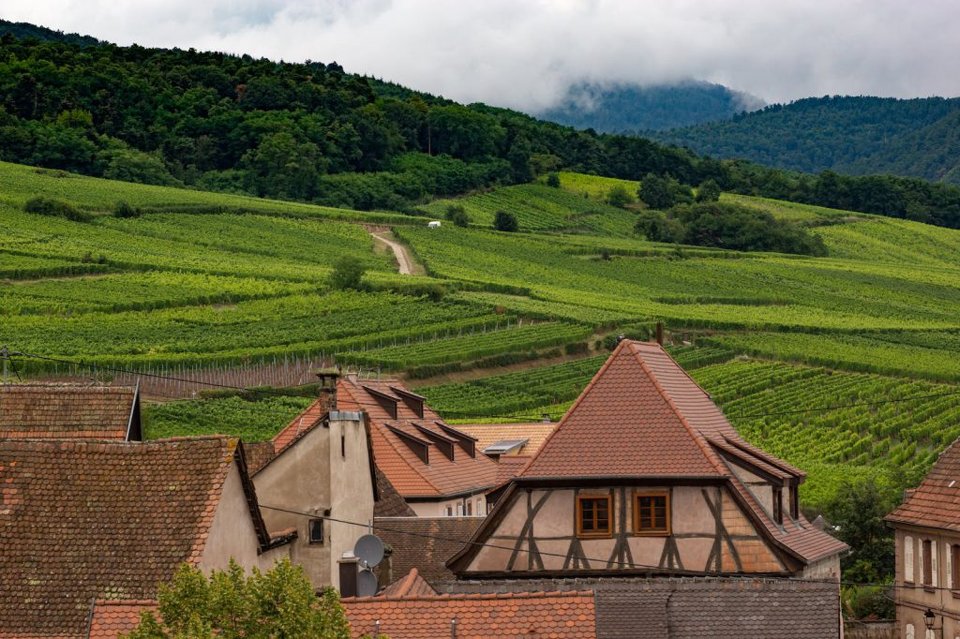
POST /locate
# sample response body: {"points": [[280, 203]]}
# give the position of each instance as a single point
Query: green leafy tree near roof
{"points": [[277, 604], [347, 273]]}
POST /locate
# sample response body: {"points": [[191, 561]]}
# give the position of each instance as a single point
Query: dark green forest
{"points": [[630, 108], [853, 135], [313, 132]]}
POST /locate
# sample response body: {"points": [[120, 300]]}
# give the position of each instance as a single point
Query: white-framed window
{"points": [[908, 632], [459, 509], [908, 575], [479, 507]]}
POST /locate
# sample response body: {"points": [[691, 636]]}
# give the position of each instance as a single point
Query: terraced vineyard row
{"points": [[837, 426]]}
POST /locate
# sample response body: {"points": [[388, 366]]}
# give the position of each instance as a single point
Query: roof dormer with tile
{"points": [[435, 467], [645, 474]]}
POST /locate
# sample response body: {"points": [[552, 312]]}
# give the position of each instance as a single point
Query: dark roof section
{"points": [[69, 411], [82, 520], [424, 543], [936, 502], [410, 585], [720, 608]]}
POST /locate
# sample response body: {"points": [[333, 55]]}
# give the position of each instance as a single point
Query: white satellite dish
{"points": [[366, 583], [369, 550]]}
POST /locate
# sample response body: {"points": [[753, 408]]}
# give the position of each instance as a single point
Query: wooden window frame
{"points": [[315, 526], [667, 530], [595, 534]]}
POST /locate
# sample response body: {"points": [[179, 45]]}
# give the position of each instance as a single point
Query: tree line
{"points": [[312, 132]]}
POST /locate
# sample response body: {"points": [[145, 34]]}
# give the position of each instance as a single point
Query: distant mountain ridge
{"points": [[854, 135], [632, 108], [23, 30]]}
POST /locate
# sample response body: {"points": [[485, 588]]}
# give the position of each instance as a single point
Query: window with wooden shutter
{"points": [[908, 572], [594, 517], [927, 563], [651, 513]]}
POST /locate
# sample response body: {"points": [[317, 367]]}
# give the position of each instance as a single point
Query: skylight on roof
{"points": [[504, 446]]}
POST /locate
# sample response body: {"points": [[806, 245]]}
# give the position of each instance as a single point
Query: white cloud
{"points": [[525, 53]]}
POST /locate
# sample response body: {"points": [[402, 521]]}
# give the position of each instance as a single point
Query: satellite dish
{"points": [[366, 583], [369, 550]]}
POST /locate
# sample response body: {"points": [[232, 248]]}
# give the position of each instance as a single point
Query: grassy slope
{"points": [[230, 278]]}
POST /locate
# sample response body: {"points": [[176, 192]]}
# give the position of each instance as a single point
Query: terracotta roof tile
{"points": [[424, 543], [410, 476], [936, 502], [567, 615], [63, 411], [410, 585], [111, 618], [82, 520], [535, 433], [390, 503]]}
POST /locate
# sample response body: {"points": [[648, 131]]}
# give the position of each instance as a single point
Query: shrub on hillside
{"points": [[728, 226], [456, 214], [619, 197], [504, 221], [125, 209], [56, 208], [347, 273]]}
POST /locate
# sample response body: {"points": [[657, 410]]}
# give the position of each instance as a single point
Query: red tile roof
{"points": [[410, 585], [534, 432], [82, 520], [110, 618], [642, 416], [560, 615], [63, 411], [438, 477], [936, 502]]}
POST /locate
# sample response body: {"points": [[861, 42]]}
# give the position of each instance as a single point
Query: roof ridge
{"points": [[460, 596], [573, 406], [698, 437]]}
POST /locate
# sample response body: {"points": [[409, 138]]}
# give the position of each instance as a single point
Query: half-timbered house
{"points": [[645, 475]]}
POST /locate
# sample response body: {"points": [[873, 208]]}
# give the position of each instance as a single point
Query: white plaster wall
{"points": [[231, 534]]}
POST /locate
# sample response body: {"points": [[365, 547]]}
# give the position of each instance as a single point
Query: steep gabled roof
{"points": [[561, 615], [69, 411], [410, 585], [424, 543], [640, 416], [643, 417], [412, 444], [82, 520], [936, 502]]}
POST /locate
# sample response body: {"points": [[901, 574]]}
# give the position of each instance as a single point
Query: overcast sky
{"points": [[525, 53]]}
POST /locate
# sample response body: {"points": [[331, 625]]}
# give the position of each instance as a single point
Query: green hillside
{"points": [[203, 284], [852, 135]]}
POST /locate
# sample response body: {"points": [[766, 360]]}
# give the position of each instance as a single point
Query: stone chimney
{"points": [[328, 388]]}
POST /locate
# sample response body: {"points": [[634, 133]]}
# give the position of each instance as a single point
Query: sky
{"points": [[525, 54]]}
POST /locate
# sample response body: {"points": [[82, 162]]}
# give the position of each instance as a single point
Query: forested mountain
{"points": [[854, 135], [312, 132], [24, 30], [631, 108], [307, 132]]}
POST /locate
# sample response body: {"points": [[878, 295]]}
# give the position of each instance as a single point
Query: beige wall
{"points": [[760, 488], [232, 534], [457, 507], [913, 599], [693, 532], [313, 476], [828, 568]]}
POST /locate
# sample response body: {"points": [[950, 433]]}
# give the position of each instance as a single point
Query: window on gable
{"points": [[316, 531], [593, 517], [651, 513]]}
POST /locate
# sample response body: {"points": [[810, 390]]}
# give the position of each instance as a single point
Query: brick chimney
{"points": [[328, 388]]}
